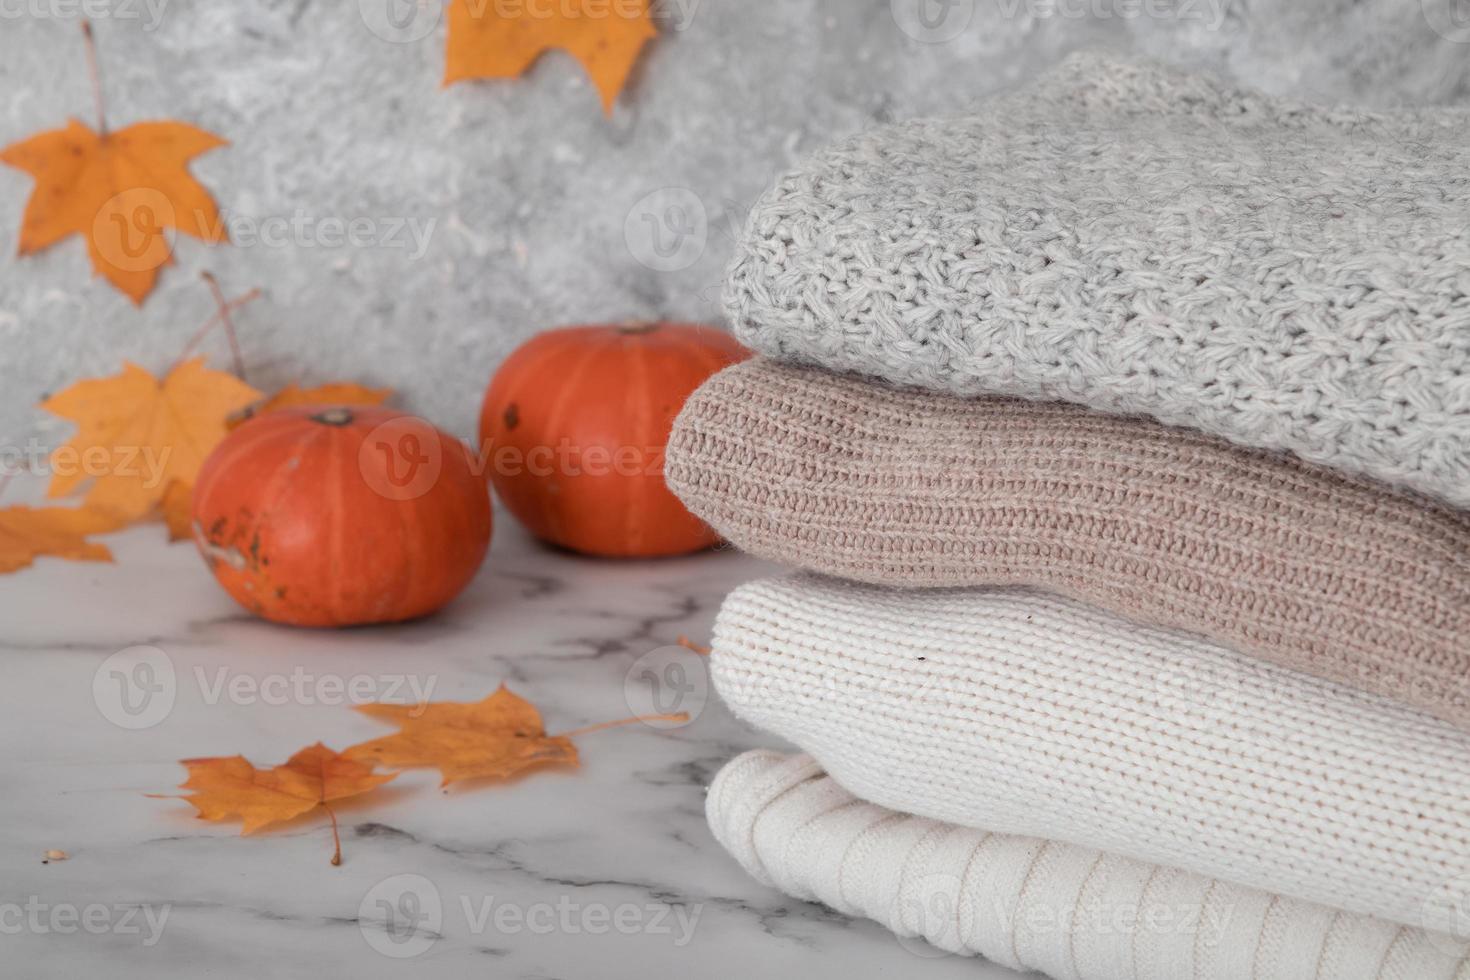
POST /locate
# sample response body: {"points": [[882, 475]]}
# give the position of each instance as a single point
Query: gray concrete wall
{"points": [[532, 209]]}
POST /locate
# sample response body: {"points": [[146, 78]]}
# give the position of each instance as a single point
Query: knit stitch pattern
{"points": [[1026, 713], [1336, 576], [1143, 241], [1031, 904]]}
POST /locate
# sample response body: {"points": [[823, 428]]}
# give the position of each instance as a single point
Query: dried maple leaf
{"points": [[498, 738], [231, 787], [491, 40], [121, 191], [337, 393], [136, 434], [177, 508], [27, 533]]}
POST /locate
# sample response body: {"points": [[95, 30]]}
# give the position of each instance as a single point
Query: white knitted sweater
{"points": [[1030, 904], [1025, 713], [1144, 241]]}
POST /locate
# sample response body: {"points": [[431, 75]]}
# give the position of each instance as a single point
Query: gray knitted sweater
{"points": [[1143, 241]]}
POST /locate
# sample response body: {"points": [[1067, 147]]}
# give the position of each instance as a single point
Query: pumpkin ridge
{"points": [[335, 439], [640, 408], [256, 441], [553, 423]]}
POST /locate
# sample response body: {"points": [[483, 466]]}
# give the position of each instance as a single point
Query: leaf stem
{"points": [[224, 315], [672, 718], [689, 644], [336, 838], [96, 74], [210, 324]]}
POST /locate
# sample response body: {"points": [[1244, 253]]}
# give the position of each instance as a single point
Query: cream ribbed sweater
{"points": [[1026, 713], [1288, 561], [1030, 904]]}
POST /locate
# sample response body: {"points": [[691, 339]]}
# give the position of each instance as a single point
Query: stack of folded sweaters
{"points": [[1123, 432]]}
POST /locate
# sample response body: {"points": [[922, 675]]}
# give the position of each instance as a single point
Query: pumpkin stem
{"points": [[334, 416], [638, 327]]}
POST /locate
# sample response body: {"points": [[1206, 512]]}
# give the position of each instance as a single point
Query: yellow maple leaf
{"points": [[120, 191], [136, 434], [231, 786], [499, 737], [27, 533], [177, 509], [496, 40]]}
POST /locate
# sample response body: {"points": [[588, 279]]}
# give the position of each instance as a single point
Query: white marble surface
{"points": [[623, 838]]}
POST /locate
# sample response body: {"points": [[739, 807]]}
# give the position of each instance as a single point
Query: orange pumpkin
{"points": [[574, 427], [341, 515]]}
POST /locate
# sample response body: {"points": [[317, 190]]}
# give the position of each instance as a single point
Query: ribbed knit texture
{"points": [[1030, 904], [1027, 713], [1143, 241], [1292, 562]]}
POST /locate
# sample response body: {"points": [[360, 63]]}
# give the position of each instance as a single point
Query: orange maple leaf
{"points": [[497, 738], [177, 508], [136, 434], [27, 533], [231, 787], [496, 40], [121, 191], [334, 393]]}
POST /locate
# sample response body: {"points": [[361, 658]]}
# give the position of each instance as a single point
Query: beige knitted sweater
{"points": [[1289, 561]]}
